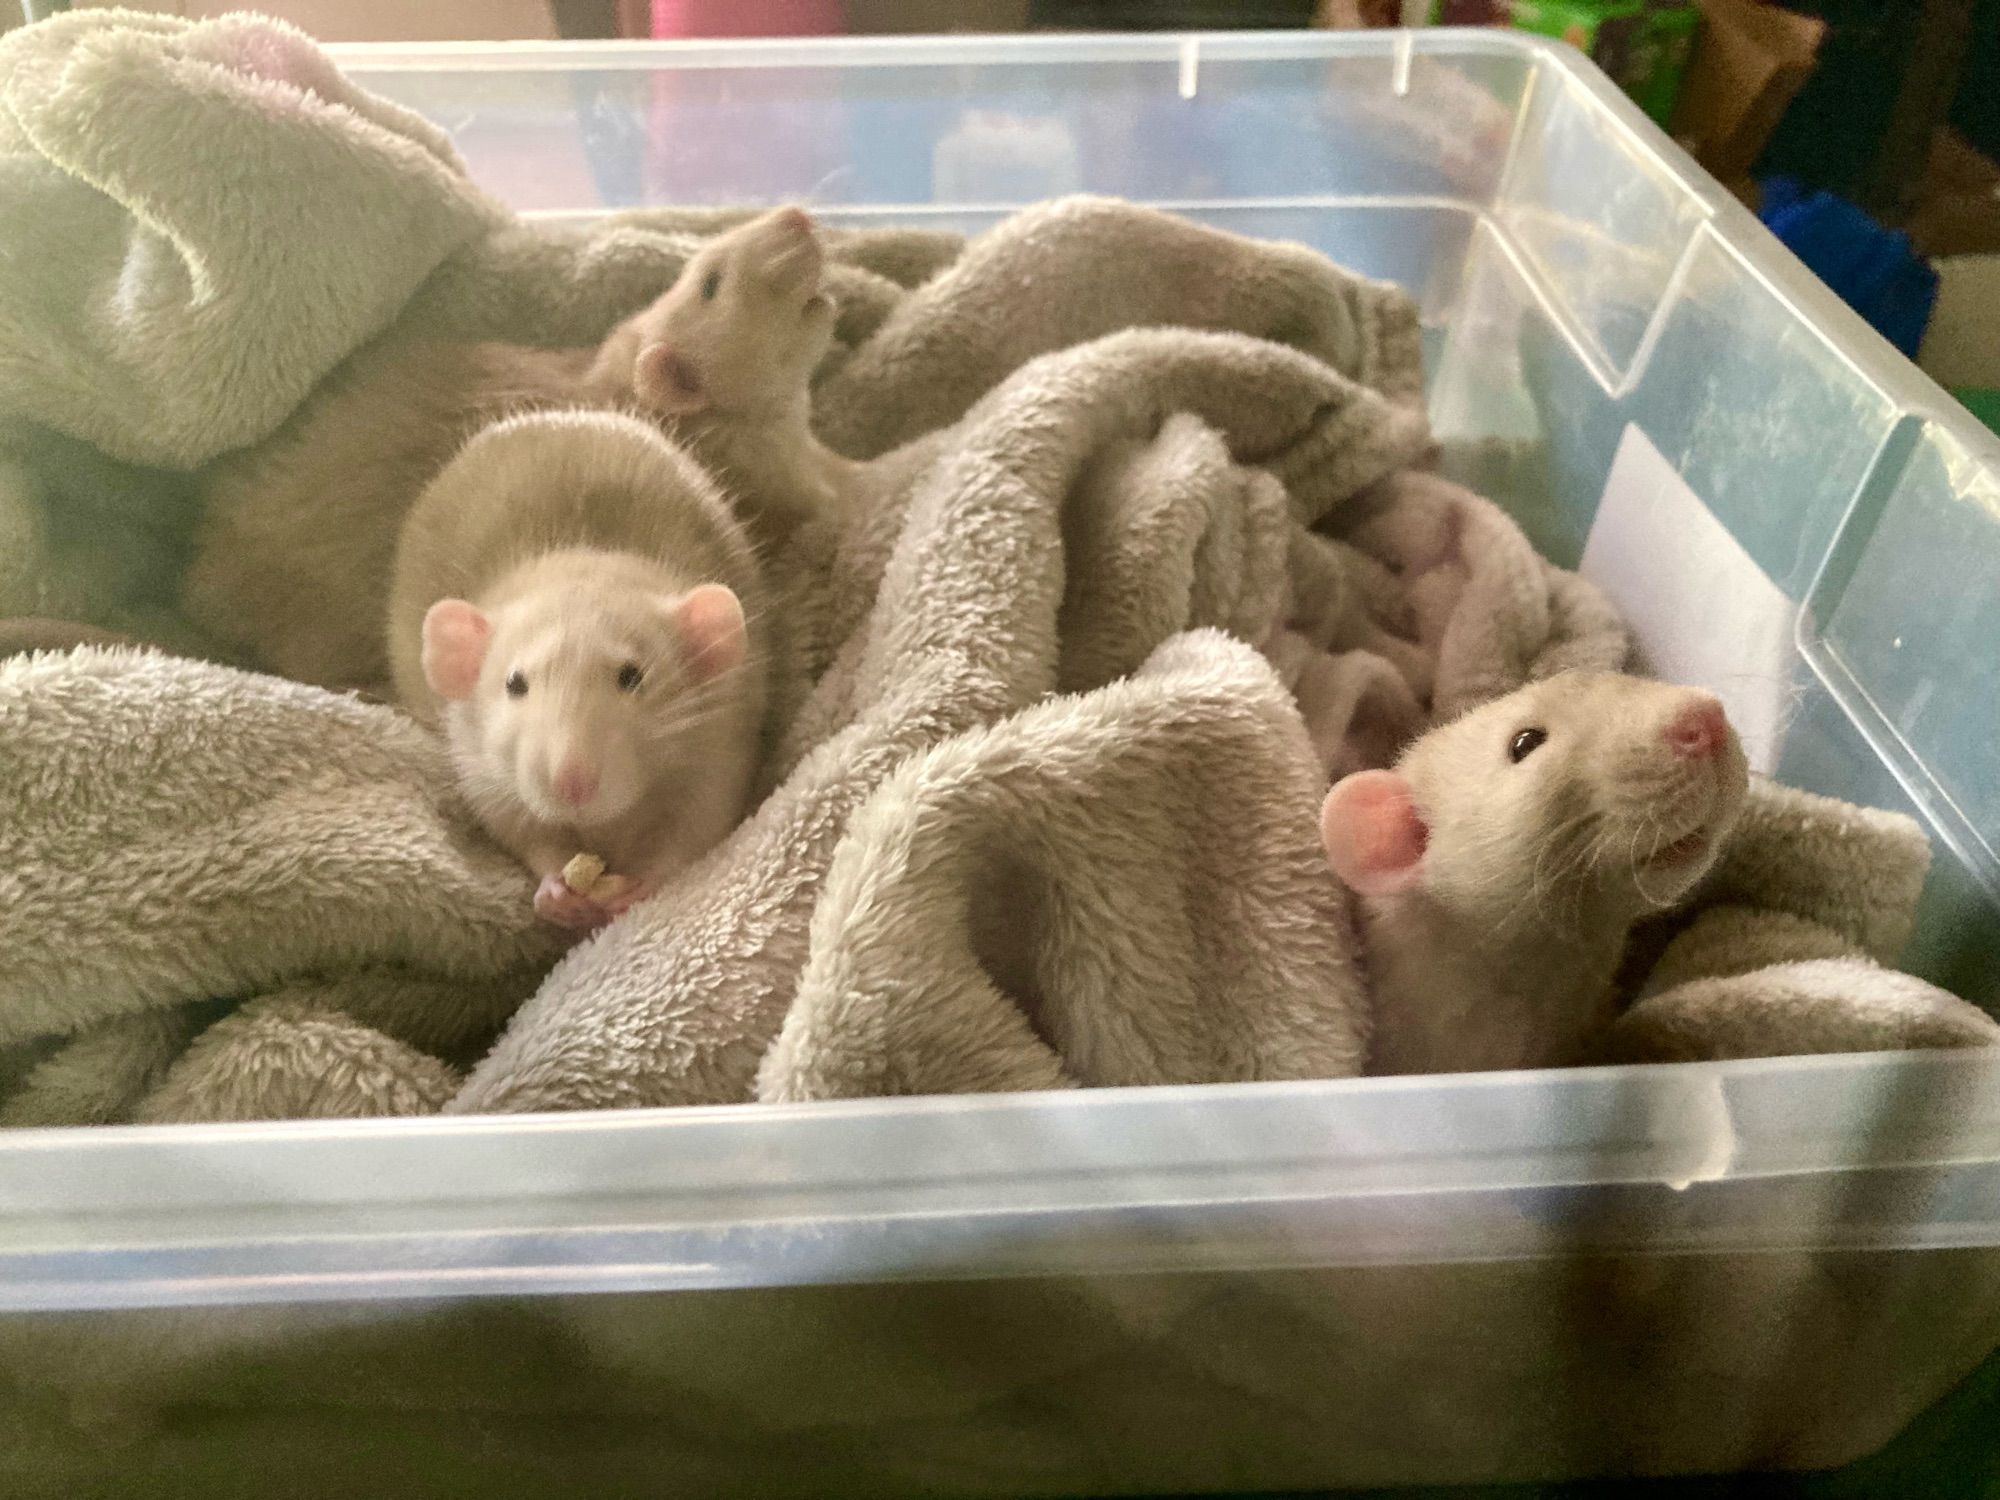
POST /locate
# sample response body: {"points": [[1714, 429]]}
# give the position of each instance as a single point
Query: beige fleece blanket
{"points": [[960, 881], [176, 832]]}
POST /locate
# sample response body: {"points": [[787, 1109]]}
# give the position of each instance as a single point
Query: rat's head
{"points": [[741, 331], [576, 696], [1587, 797]]}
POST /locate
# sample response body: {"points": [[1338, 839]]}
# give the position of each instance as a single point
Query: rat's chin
{"points": [[1683, 853], [1674, 867], [606, 814], [598, 813], [545, 807]]}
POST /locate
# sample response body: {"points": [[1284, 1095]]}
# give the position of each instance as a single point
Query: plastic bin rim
{"points": [[1328, 1102], [946, 49], [1781, 1154], [1917, 396]]}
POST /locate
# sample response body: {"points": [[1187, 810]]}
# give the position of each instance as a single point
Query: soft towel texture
{"points": [[218, 834], [291, 1057], [1488, 610], [1843, 1004], [1002, 302], [1013, 909], [1787, 950], [99, 1076], [959, 881], [139, 310]]}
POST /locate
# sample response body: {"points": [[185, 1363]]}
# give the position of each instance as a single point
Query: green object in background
{"points": [[1643, 45], [1982, 402]]}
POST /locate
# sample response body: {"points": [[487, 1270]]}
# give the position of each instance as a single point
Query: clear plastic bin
{"points": [[1508, 1276]]}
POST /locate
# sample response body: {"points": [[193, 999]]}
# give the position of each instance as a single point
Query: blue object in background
{"points": [[1875, 270]]}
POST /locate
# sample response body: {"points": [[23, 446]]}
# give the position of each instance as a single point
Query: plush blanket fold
{"points": [[174, 832], [144, 305], [1115, 888]]}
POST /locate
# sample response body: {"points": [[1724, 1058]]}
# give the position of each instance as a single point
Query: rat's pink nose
{"points": [[1698, 731], [576, 783]]}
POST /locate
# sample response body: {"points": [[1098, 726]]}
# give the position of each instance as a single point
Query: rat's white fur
{"points": [[582, 536], [1501, 951]]}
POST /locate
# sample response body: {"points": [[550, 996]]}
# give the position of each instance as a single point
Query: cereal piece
{"points": [[612, 887], [582, 872], [585, 874]]}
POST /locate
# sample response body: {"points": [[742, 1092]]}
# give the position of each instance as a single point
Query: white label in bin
{"points": [[1703, 610]]}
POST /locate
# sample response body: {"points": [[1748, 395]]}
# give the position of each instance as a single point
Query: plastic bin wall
{"points": [[1770, 1264]]}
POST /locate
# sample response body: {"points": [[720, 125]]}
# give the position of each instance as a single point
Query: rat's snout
{"points": [[585, 775], [793, 221], [575, 781], [790, 250], [1699, 731]]}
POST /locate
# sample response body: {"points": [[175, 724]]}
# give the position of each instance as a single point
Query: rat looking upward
{"points": [[725, 358], [1501, 864]]}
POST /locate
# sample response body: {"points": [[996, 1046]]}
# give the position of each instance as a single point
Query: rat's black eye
{"points": [[630, 676], [710, 285], [1525, 744], [517, 685]]}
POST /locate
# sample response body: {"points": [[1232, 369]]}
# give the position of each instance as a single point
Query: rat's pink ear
{"points": [[665, 381], [1373, 833], [713, 631], [455, 636]]}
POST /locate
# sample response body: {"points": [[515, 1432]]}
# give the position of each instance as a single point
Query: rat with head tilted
{"points": [[1501, 864], [726, 358], [578, 610]]}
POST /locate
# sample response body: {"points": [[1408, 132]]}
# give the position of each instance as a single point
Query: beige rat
{"points": [[1501, 864], [726, 358], [575, 606]]}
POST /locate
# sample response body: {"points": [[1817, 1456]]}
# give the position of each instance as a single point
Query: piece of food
{"points": [[582, 872], [585, 874]]}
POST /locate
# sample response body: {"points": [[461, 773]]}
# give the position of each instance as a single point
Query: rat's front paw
{"points": [[556, 902]]}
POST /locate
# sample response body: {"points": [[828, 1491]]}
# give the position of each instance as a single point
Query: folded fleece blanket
{"points": [[1044, 814]]}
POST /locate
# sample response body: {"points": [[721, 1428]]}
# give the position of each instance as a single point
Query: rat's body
{"points": [[298, 536], [726, 358], [575, 606], [1501, 865]]}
